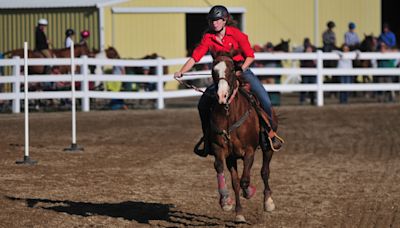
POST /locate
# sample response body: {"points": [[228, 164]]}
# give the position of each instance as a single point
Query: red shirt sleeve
{"points": [[202, 48], [244, 43]]}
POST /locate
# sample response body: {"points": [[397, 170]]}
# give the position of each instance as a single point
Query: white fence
{"points": [[160, 94]]}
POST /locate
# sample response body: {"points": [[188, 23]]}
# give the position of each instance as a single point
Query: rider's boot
{"points": [[206, 147], [203, 107]]}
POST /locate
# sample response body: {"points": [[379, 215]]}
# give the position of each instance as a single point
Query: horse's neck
{"points": [[238, 106]]}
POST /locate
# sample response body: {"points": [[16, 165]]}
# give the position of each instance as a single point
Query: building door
{"points": [[389, 14]]}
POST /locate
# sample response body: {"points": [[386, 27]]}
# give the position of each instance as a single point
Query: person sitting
{"points": [[387, 36], [329, 37], [222, 36], [69, 35], [85, 34], [41, 41], [351, 38]]}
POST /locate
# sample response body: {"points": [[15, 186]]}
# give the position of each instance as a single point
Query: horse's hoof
{"points": [[249, 192], [226, 203], [269, 205], [240, 219]]}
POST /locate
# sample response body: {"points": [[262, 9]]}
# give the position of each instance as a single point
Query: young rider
{"points": [[222, 36]]}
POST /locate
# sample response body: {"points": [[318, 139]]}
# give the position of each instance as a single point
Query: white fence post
{"points": [[16, 105], [85, 85], [320, 79], [160, 84]]}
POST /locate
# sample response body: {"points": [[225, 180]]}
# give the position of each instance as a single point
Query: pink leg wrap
{"points": [[221, 185]]}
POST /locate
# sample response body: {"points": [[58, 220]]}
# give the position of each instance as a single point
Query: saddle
{"points": [[267, 128]]}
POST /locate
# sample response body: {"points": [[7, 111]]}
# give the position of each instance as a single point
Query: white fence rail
{"points": [[16, 79]]}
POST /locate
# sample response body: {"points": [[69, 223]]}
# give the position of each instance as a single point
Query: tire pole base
{"points": [[27, 161], [74, 148]]}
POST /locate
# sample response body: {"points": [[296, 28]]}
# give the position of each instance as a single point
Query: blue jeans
{"points": [[343, 96], [258, 89]]}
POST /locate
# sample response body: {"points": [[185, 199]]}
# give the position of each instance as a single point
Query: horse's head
{"points": [[223, 73], [368, 44], [282, 46]]}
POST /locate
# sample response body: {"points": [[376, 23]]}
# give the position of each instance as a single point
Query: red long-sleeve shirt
{"points": [[233, 39]]}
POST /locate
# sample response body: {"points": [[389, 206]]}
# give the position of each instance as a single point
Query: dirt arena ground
{"points": [[339, 168]]}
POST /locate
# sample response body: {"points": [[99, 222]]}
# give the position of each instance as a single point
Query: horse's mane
{"points": [[229, 54]]}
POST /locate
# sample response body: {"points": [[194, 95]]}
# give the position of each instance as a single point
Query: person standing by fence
{"points": [[344, 79], [308, 79]]}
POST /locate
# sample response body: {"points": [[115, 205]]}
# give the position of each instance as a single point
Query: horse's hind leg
{"points": [[225, 200], [232, 167], [267, 156], [248, 190]]}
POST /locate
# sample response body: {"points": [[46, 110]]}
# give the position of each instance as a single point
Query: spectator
{"points": [[69, 35], [272, 79], [116, 104], [387, 36], [257, 63], [344, 64], [308, 79], [329, 38], [148, 86], [351, 38], [385, 96]]}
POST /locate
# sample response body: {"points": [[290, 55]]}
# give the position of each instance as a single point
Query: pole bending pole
{"points": [[27, 159], [74, 146]]}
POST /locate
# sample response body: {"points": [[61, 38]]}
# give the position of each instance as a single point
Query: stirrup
{"points": [[281, 141], [200, 152]]}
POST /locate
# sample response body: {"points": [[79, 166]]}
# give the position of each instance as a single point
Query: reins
{"points": [[190, 86]]}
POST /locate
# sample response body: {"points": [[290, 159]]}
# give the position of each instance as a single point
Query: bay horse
{"points": [[79, 50], [31, 54], [236, 134]]}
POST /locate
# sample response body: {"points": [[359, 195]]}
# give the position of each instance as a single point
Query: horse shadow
{"points": [[141, 212]]}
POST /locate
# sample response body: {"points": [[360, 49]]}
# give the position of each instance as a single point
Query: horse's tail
{"points": [[6, 53], [12, 53]]}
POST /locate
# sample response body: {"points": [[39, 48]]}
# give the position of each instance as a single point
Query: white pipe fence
{"points": [[160, 78]]}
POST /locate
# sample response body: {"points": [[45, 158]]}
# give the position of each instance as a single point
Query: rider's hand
{"points": [[178, 74]]}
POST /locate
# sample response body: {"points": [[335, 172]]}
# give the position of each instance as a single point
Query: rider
{"points": [[222, 36], [41, 41], [69, 34], [84, 36]]}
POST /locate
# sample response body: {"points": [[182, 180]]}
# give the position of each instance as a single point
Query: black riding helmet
{"points": [[218, 12], [69, 32]]}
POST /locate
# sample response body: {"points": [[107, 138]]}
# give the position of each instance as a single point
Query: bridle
{"points": [[233, 89]]}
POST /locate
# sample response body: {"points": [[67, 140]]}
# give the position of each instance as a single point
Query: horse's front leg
{"points": [[248, 190], [231, 163], [268, 202], [225, 200]]}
